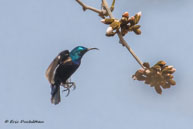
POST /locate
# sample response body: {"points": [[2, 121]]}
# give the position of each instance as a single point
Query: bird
{"points": [[62, 68]]}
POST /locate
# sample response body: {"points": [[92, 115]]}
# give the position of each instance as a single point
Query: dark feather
{"points": [[65, 70], [52, 67]]}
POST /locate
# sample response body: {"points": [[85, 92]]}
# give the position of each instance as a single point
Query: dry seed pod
{"points": [[156, 67], [170, 66], [147, 81], [172, 82], [161, 63], [139, 75], [158, 89], [139, 72], [163, 83], [168, 70], [168, 76], [146, 64], [166, 85], [171, 71], [148, 72], [159, 76], [153, 82], [139, 78]]}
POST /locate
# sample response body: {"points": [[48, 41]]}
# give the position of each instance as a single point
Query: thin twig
{"points": [[108, 10], [124, 43], [85, 7]]}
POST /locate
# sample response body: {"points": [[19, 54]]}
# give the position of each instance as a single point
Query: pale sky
{"points": [[33, 32]]}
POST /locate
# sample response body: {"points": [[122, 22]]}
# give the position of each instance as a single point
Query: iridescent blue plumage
{"points": [[62, 67], [77, 53]]}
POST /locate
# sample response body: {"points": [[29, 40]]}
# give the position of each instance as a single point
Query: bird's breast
{"points": [[65, 70]]}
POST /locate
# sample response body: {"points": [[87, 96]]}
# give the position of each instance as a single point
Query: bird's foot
{"points": [[68, 86], [68, 91]]}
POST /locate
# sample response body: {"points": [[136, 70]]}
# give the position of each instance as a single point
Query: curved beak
{"points": [[92, 49]]}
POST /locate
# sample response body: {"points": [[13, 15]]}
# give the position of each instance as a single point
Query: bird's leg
{"points": [[72, 84], [68, 91], [68, 85]]}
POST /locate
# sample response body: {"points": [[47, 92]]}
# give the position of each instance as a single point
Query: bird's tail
{"points": [[55, 99]]}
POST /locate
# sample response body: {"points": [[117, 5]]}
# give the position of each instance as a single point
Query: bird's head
{"points": [[78, 52]]}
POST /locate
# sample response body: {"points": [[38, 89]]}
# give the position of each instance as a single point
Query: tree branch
{"points": [[122, 41], [85, 7], [107, 8]]}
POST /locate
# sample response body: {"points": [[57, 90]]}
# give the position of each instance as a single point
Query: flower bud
{"points": [[115, 24], [137, 17], [103, 21], [107, 20], [124, 31], [135, 27], [109, 31], [125, 14], [138, 31], [132, 20], [124, 21]]}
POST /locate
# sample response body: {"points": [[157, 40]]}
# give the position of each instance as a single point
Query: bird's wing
{"points": [[51, 69], [63, 56]]}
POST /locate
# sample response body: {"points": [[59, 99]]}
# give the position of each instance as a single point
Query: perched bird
{"points": [[61, 69]]}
